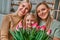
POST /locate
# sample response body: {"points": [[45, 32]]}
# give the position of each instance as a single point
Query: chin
{"points": [[43, 18]]}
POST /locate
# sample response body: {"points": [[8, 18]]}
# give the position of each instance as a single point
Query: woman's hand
{"points": [[55, 38]]}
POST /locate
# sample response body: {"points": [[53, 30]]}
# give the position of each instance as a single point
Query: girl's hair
{"points": [[48, 19], [29, 14]]}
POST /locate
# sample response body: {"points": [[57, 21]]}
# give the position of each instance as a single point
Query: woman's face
{"points": [[23, 9], [42, 11], [29, 21]]}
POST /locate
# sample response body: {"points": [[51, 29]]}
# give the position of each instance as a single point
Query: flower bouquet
{"points": [[35, 33]]}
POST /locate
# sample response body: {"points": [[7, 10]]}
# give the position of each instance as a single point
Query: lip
{"points": [[42, 15], [29, 24], [22, 13]]}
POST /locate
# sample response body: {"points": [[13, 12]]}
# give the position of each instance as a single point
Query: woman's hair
{"points": [[29, 14], [48, 19]]}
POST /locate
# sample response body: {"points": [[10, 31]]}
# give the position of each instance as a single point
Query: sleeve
{"points": [[5, 28], [57, 32]]}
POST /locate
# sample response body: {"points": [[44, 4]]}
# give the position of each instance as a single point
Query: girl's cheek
{"points": [[33, 22]]}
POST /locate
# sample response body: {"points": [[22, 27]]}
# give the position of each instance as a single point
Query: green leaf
{"points": [[17, 34], [13, 34], [32, 34]]}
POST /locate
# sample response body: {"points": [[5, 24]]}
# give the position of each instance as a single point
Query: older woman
{"points": [[44, 18], [11, 20]]}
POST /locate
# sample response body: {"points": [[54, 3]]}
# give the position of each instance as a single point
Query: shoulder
{"points": [[56, 23], [55, 27], [12, 14], [9, 16]]}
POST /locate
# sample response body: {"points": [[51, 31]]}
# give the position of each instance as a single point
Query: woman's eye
{"points": [[23, 5], [38, 11], [26, 8]]}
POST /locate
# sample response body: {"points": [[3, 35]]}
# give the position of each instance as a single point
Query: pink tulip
{"points": [[38, 27], [34, 25], [24, 27], [43, 27], [17, 28], [49, 32], [20, 24]]}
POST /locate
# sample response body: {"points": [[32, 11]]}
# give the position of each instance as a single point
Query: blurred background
{"points": [[10, 6]]}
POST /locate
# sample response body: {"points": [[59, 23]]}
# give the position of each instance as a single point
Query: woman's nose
{"points": [[41, 12], [23, 8]]}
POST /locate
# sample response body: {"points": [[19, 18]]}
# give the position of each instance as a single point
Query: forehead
{"points": [[30, 17], [25, 3], [41, 6]]}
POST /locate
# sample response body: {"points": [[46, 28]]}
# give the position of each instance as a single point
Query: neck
{"points": [[19, 16], [44, 20]]}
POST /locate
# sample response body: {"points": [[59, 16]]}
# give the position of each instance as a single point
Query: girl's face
{"points": [[29, 21], [42, 11], [23, 9]]}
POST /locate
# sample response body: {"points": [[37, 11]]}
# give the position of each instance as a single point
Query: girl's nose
{"points": [[29, 22]]}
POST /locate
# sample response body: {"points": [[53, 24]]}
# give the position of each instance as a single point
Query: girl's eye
{"points": [[32, 20], [43, 9], [27, 20]]}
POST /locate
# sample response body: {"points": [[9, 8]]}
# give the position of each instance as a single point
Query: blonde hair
{"points": [[29, 14]]}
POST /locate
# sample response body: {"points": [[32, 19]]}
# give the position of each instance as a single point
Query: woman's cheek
{"points": [[26, 11], [39, 15]]}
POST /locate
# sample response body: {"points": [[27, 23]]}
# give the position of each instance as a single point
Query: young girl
{"points": [[29, 19]]}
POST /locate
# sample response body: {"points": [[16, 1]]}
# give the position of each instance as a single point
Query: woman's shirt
{"points": [[54, 27], [9, 22]]}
